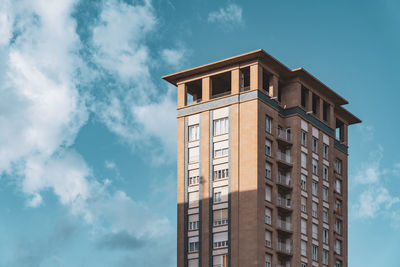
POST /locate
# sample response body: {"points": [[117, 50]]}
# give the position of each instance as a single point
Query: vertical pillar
{"points": [[206, 88], [255, 77], [332, 121], [309, 100], [181, 95], [205, 188], [235, 81], [320, 111], [345, 134], [273, 86]]}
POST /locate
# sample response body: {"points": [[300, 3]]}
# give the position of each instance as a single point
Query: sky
{"points": [[88, 127]]}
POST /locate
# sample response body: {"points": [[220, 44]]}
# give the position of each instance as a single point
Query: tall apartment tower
{"points": [[262, 166]]}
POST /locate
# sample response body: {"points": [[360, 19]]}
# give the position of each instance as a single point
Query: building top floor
{"points": [[257, 70]]}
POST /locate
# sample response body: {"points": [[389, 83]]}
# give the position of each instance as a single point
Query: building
{"points": [[262, 166]]}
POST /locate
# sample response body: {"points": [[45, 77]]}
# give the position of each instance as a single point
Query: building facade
{"points": [[262, 166]]}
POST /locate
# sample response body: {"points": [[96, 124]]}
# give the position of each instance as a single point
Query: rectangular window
{"points": [[314, 211], [303, 204], [315, 166], [302, 264], [338, 186], [268, 260], [314, 253], [221, 126], [193, 222], [220, 240], [325, 236], [304, 160], [303, 182], [338, 226], [268, 124], [268, 216], [303, 246], [194, 132], [220, 261], [303, 226], [220, 171], [268, 168], [303, 138], [338, 264], [220, 217], [194, 178], [315, 145], [193, 199], [268, 190], [268, 241], [325, 172], [325, 215], [314, 231], [268, 148], [325, 151], [325, 193], [325, 254], [220, 194], [194, 154], [221, 149], [338, 207], [338, 247], [314, 188], [194, 244], [338, 166]]}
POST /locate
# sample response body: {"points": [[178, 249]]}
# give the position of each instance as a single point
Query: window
{"points": [[220, 194], [268, 168], [194, 244], [338, 186], [303, 204], [268, 260], [314, 253], [268, 215], [325, 254], [314, 166], [303, 182], [220, 171], [302, 264], [338, 264], [194, 263], [338, 207], [194, 132], [325, 193], [325, 215], [268, 124], [325, 172], [338, 226], [221, 149], [303, 138], [220, 217], [194, 178], [303, 225], [303, 247], [194, 154], [314, 211], [325, 151], [314, 231], [304, 96], [268, 190], [268, 241], [338, 166], [193, 199], [303, 160], [220, 240], [193, 222], [314, 144], [338, 247], [221, 126], [325, 236], [314, 188], [268, 149], [220, 261]]}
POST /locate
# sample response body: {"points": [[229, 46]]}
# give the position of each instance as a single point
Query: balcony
{"points": [[284, 248], [284, 181], [284, 225], [284, 137], [284, 159], [284, 203]]}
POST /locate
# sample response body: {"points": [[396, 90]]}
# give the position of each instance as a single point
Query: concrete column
{"points": [[332, 120], [321, 109], [273, 86], [181, 95], [206, 88], [205, 187], [255, 77], [309, 101], [345, 134], [235, 81]]}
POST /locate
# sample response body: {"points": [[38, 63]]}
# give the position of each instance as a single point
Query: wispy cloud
{"points": [[227, 17]]}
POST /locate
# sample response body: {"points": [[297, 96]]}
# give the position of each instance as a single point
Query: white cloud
{"points": [[227, 17], [175, 57], [373, 201]]}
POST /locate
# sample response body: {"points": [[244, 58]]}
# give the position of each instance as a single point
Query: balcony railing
{"points": [[285, 135], [284, 179], [284, 225], [284, 202], [284, 157], [283, 247]]}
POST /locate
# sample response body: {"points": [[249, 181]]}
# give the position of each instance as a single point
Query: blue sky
{"points": [[87, 140]]}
